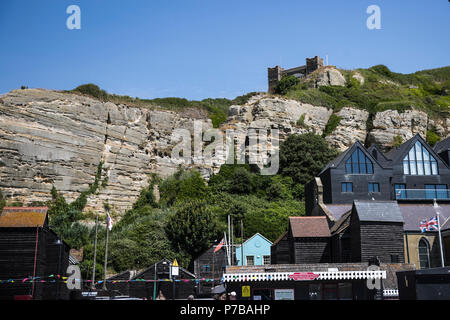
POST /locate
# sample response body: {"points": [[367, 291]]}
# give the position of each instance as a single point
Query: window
{"points": [[374, 187], [358, 163], [266, 259], [436, 191], [347, 187], [419, 162], [250, 260], [395, 258], [400, 192], [424, 253]]}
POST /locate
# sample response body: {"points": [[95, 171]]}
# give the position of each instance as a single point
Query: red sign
{"points": [[303, 276], [23, 297]]}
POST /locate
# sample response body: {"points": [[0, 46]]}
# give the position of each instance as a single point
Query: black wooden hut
{"points": [[309, 240], [210, 265], [29, 249], [184, 287], [377, 231], [279, 251]]}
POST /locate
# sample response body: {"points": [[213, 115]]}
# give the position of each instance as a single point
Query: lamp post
{"points": [[59, 243], [436, 208]]}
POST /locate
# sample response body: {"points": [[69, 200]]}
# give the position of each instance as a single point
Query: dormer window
{"points": [[358, 163], [419, 162]]}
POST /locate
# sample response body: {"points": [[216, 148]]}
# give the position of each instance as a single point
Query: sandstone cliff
{"points": [[51, 138]]}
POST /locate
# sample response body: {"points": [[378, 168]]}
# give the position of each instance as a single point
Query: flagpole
{"points": [[106, 250], [435, 205], [95, 253]]}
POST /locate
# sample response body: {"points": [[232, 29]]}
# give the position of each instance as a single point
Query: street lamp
{"points": [[436, 207], [59, 243]]}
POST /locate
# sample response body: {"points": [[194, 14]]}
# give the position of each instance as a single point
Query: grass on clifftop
{"points": [[427, 90], [217, 108]]}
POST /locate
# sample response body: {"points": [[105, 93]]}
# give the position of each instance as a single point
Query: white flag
{"points": [[109, 221]]}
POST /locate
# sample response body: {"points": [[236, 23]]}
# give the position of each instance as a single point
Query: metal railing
{"points": [[422, 194]]}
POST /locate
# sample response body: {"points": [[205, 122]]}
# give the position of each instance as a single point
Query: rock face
{"points": [[389, 124], [351, 127], [267, 112], [330, 77], [51, 138]]}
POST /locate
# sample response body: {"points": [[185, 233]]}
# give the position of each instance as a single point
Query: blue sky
{"points": [[197, 49]]}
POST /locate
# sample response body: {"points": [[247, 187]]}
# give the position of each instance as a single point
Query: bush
{"points": [[432, 137], [285, 84], [92, 90], [332, 124]]}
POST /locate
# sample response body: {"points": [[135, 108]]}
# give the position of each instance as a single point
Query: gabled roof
{"points": [[152, 269], [382, 159], [280, 238], [380, 211], [397, 154], [338, 210], [442, 145], [337, 161], [255, 235], [23, 217], [307, 227], [342, 223]]}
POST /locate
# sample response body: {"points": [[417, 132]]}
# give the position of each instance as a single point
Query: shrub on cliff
{"points": [[285, 84], [92, 90]]}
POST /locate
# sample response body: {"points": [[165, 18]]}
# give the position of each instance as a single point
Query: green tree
{"points": [[192, 227], [241, 181], [303, 156]]}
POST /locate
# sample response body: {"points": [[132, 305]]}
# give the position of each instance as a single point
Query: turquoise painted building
{"points": [[256, 251]]}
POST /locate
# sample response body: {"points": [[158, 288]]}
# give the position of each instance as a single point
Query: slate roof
{"points": [[414, 213], [336, 161], [382, 211], [400, 151], [341, 224], [338, 210], [23, 217], [381, 158], [442, 145], [306, 227]]}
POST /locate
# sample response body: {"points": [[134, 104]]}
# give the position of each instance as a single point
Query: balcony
{"points": [[422, 194]]}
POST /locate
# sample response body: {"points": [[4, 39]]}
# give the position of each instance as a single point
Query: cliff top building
{"points": [[275, 74]]}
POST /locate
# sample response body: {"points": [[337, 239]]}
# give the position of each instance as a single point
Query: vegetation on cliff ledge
{"points": [[216, 109], [382, 89]]}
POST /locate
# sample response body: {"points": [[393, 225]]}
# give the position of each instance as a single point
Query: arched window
{"points": [[424, 253], [419, 162], [358, 163]]}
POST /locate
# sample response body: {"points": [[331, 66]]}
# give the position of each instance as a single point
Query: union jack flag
{"points": [[431, 225], [219, 245]]}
